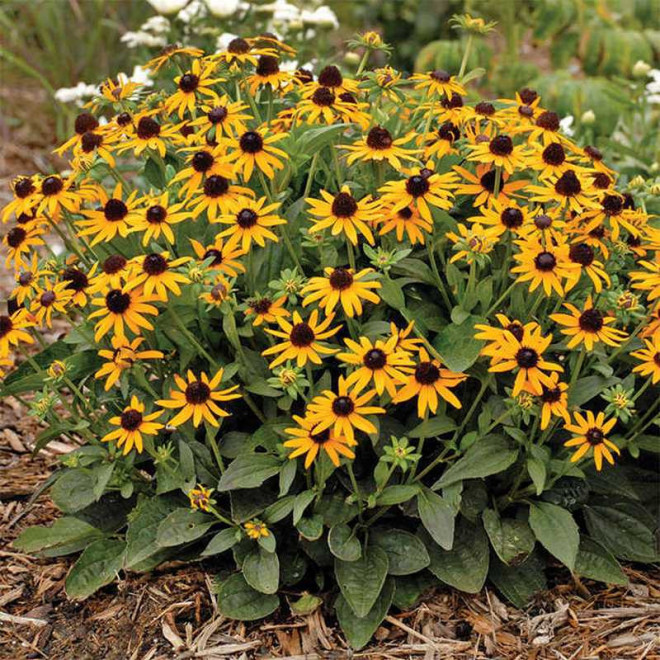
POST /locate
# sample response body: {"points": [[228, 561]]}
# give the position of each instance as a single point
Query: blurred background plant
{"points": [[595, 62]]}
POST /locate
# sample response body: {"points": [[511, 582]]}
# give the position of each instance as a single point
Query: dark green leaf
{"points": [[73, 491], [64, 536], [512, 539], [432, 427], [343, 543], [182, 526], [311, 527], [555, 528], [518, 583], [221, 542], [396, 495], [437, 517], [405, 551], [261, 571], [361, 581], [457, 346], [96, 567], [596, 563], [248, 471], [238, 600]]}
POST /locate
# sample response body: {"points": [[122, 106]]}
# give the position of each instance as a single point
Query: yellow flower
{"points": [[267, 72], [648, 281], [13, 330], [307, 442], [255, 529], [482, 185], [406, 220], [438, 83], [147, 133], [20, 241], [554, 401], [379, 145], [120, 307], [223, 117], [168, 53], [255, 149], [51, 298], [154, 273], [571, 189], [203, 164], [155, 217], [191, 85], [222, 258], [500, 217], [649, 357], [124, 355], [262, 308], [341, 285], [591, 434], [133, 424], [197, 399], [302, 339], [200, 498], [500, 152]]}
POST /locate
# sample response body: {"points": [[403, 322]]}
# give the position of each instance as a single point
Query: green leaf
{"points": [[392, 293], [489, 455], [512, 539], [410, 589], [437, 517], [64, 536], [249, 471], [96, 567], [183, 526], [465, 566], [587, 388], [300, 503], [623, 530], [537, 472], [457, 346], [597, 563], [555, 528], [73, 491], [279, 510], [396, 495], [238, 600], [405, 551], [154, 174], [343, 543], [430, 428], [518, 583], [261, 571], [311, 527], [305, 605], [361, 581], [221, 542], [359, 630]]}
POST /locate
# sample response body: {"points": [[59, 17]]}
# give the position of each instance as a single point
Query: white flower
{"points": [[223, 8], [223, 41], [323, 17], [641, 69], [282, 11], [565, 125], [167, 6], [156, 25], [141, 76], [290, 66], [136, 39], [70, 94], [196, 9]]}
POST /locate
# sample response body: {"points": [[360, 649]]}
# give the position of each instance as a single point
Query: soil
{"points": [[172, 613]]}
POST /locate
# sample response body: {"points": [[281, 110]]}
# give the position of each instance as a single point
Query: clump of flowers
{"points": [[315, 318]]}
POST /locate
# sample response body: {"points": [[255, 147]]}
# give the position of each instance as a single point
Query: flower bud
{"points": [[588, 117], [641, 69]]}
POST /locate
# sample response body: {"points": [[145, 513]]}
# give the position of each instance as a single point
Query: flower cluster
{"points": [[263, 265]]}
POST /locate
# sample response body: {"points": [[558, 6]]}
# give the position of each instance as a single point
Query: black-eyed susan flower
{"points": [[20, 242], [406, 221], [303, 340], [376, 362], [571, 190], [146, 132], [500, 217], [124, 355], [156, 274], [268, 73], [308, 443], [499, 152], [133, 424], [114, 90], [497, 336], [545, 129], [28, 281], [220, 291], [5, 366], [263, 309], [543, 265], [203, 163], [200, 498], [472, 244], [93, 144], [255, 149], [115, 216], [343, 411], [217, 196], [113, 272], [58, 193], [342, 286], [193, 86], [379, 145], [584, 255], [649, 358], [78, 282], [554, 401], [156, 216], [612, 212], [428, 381], [481, 185], [26, 196], [13, 330], [437, 83], [550, 161], [198, 399], [331, 78], [83, 123], [526, 357], [120, 308], [219, 256], [441, 142], [591, 434], [343, 214], [223, 117], [648, 279], [588, 326], [423, 188], [51, 297], [242, 51], [404, 340], [255, 529], [250, 221], [169, 52]]}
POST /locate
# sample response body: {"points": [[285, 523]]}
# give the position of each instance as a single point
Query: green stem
{"points": [[578, 367], [642, 389], [356, 488], [310, 175], [363, 63], [622, 346], [466, 55], [192, 339], [430, 248], [497, 303]]}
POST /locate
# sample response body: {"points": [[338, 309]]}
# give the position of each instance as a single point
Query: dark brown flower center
{"points": [[591, 320], [323, 97], [331, 76], [238, 46], [441, 76], [156, 214], [487, 181], [452, 102], [216, 186], [525, 111], [117, 302], [343, 406], [379, 138], [511, 218], [320, 438], [124, 119], [601, 181], [131, 419], [77, 280], [527, 358], [148, 128], [261, 305], [267, 66], [51, 185], [246, 218], [405, 213], [197, 393], [568, 185], [449, 132], [597, 232], [344, 205], [113, 264], [215, 254], [48, 298], [593, 152], [251, 142], [218, 292], [26, 278], [501, 145], [417, 186], [545, 261], [375, 359], [85, 122], [516, 329], [24, 187], [202, 161], [188, 83], [582, 253], [612, 204], [656, 359], [550, 394], [90, 141], [217, 115], [6, 326], [16, 236], [594, 435], [548, 121], [301, 335], [304, 76], [484, 108], [427, 373], [115, 210], [554, 154], [543, 221], [347, 97], [527, 95], [154, 264], [341, 279]]}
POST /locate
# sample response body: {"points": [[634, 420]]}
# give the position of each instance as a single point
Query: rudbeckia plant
{"points": [[336, 333]]}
